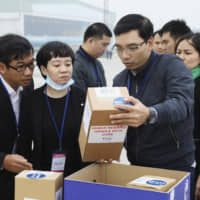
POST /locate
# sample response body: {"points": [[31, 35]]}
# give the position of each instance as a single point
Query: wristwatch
{"points": [[153, 116]]}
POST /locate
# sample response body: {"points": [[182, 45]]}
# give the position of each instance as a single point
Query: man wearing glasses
{"points": [[160, 118], [16, 69]]}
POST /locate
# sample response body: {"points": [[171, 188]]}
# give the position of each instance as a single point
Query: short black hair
{"points": [[14, 47], [97, 30], [193, 39], [157, 32], [176, 28], [51, 50], [135, 22]]}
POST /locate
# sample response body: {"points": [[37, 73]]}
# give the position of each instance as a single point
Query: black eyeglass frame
{"points": [[22, 68]]}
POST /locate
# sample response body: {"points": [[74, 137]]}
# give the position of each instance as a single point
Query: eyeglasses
{"points": [[22, 68], [128, 50]]}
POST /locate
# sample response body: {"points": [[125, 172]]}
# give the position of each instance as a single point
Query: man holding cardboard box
{"points": [[161, 90]]}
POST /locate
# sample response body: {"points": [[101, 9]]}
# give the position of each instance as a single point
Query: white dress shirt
{"points": [[15, 98]]}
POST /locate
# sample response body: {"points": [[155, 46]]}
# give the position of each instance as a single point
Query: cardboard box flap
{"points": [[102, 97], [38, 175]]}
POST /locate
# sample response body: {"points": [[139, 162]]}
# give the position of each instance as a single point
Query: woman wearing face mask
{"points": [[188, 49], [54, 114]]}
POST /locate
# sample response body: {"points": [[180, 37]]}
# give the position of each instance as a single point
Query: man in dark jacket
{"points": [[16, 69], [87, 70], [161, 90]]}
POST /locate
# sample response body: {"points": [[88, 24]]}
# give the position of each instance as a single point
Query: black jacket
{"points": [[8, 135], [33, 131], [169, 89]]}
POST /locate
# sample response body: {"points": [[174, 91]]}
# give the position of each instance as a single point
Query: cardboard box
{"points": [[98, 137], [38, 185], [109, 181]]}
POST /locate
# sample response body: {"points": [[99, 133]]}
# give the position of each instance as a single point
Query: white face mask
{"points": [[56, 86]]}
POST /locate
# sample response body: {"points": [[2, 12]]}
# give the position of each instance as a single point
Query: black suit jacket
{"points": [[8, 136]]}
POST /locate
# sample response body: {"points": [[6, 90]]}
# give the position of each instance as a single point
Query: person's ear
{"points": [[91, 40], [150, 42], [43, 70], [3, 68]]}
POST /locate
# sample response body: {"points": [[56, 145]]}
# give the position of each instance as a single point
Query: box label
{"points": [[36, 174], [87, 116], [186, 190], [107, 134], [172, 195], [155, 182], [107, 92], [59, 194]]}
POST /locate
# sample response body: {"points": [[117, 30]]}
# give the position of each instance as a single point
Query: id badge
{"points": [[58, 162]]}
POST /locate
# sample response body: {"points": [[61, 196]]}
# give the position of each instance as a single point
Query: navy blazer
{"points": [[169, 88]]}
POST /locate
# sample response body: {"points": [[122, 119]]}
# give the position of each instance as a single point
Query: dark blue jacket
{"points": [[85, 70], [169, 88]]}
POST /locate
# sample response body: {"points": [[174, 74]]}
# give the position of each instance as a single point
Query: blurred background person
{"points": [[88, 70], [171, 33], [157, 42], [188, 49]]}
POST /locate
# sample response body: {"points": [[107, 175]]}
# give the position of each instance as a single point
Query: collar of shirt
{"points": [[144, 68], [91, 59], [10, 90]]}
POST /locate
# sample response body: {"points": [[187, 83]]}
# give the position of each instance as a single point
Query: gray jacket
{"points": [[85, 70]]}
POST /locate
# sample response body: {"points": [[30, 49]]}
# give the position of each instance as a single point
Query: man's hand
{"points": [[102, 161], [135, 115], [197, 189], [16, 163]]}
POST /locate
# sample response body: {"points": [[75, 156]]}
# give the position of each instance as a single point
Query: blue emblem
{"points": [[35, 175], [120, 101], [156, 182]]}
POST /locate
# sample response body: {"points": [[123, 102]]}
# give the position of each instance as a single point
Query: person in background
{"points": [[188, 49], [54, 117], [16, 70], [161, 89], [157, 42], [171, 32], [88, 70]]}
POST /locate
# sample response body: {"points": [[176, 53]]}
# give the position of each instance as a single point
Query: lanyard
{"points": [[59, 133], [96, 72], [145, 77], [16, 122]]}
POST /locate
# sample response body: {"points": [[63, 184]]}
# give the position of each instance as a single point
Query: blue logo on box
{"points": [[156, 182], [120, 100], [35, 175]]}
